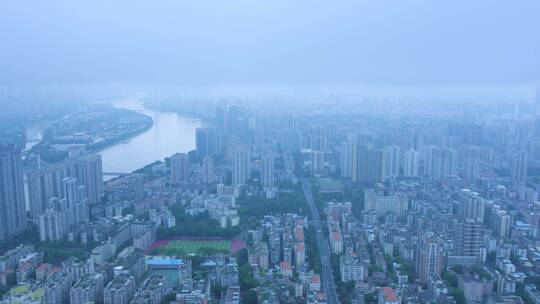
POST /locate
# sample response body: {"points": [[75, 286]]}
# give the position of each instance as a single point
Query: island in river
{"points": [[94, 129]]}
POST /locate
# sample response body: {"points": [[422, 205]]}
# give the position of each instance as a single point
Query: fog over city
{"points": [[275, 42], [269, 152]]}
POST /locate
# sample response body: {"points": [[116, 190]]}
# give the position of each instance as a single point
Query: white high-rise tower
{"points": [[267, 174], [241, 165], [12, 205]]}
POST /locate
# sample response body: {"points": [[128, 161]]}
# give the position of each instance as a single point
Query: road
{"points": [[327, 279]]}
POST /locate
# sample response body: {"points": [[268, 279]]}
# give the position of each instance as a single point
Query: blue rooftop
{"points": [[157, 261]]}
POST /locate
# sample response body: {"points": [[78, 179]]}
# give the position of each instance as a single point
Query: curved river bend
{"points": [[169, 134]]}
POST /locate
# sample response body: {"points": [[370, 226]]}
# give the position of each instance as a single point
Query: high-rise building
{"points": [[43, 185], [85, 181], [411, 161], [354, 162], [471, 164], [206, 142], [208, 174], [257, 135], [440, 163], [54, 223], [349, 160], [317, 142], [180, 169], [418, 141], [290, 141], [345, 162], [241, 165], [76, 201], [37, 195], [221, 119], [267, 172], [500, 222], [317, 161], [12, 204], [471, 206], [233, 120], [429, 258], [370, 165], [519, 166], [70, 190], [89, 172], [391, 160], [537, 109], [470, 238]]}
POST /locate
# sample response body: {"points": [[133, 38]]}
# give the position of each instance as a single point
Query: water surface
{"points": [[169, 134]]}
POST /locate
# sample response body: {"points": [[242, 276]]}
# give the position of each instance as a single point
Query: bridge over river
{"points": [[114, 174]]}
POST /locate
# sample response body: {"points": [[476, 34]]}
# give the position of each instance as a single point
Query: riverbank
{"points": [[123, 139]]}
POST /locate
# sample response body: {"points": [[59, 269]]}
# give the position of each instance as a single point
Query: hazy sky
{"points": [[199, 42]]}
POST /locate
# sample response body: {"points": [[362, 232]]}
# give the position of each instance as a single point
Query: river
{"points": [[169, 134], [34, 133]]}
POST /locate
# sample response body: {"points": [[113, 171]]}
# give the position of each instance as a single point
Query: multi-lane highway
{"points": [[327, 279]]}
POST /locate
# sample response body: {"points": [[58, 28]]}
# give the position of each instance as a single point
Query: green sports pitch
{"points": [[195, 247]]}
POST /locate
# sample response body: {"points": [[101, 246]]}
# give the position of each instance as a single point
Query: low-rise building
{"points": [[153, 290], [89, 289], [351, 269], [474, 288], [120, 290]]}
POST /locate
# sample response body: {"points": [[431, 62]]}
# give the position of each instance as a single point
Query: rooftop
{"points": [[163, 261], [389, 294]]}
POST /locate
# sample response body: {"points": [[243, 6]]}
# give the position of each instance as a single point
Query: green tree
{"points": [[312, 250], [216, 290], [247, 281], [459, 296], [249, 297], [450, 278], [196, 226], [370, 298], [345, 291]]}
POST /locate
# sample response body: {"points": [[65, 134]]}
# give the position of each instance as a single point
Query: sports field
{"points": [[198, 247]]}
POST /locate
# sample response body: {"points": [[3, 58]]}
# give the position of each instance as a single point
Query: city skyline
{"points": [[298, 152]]}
